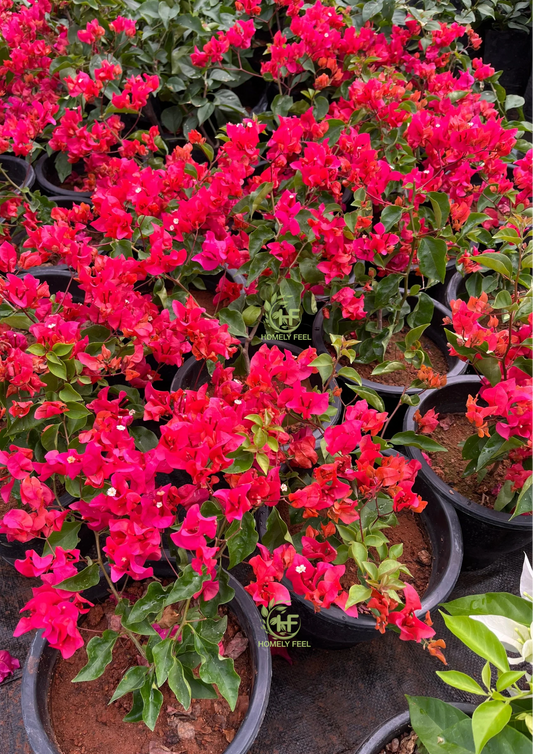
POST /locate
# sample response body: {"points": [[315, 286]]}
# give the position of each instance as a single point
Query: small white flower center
{"points": [[111, 492], [300, 569], [121, 427]]}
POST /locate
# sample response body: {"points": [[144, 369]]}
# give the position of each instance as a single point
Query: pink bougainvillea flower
{"points": [[8, 664]]}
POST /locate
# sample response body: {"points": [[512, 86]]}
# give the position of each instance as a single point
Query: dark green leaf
{"points": [[67, 537], [178, 684], [432, 258], [163, 659], [277, 531], [241, 538], [417, 441], [145, 440], [99, 655], [133, 679], [218, 670], [152, 701], [83, 580]]}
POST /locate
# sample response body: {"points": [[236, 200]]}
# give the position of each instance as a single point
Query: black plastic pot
{"points": [[390, 394], [333, 629], [528, 95], [488, 534], [437, 291], [48, 180], [60, 280], [394, 728], [18, 171], [193, 374], [39, 669], [66, 202], [509, 50], [11, 551], [455, 289]]}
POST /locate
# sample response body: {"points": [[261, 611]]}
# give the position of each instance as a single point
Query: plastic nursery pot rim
{"points": [[35, 694], [52, 188], [60, 276], [394, 727], [455, 498], [16, 162], [319, 343], [452, 289]]}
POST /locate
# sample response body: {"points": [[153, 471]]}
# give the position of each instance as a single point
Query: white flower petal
{"points": [[511, 634], [526, 580]]}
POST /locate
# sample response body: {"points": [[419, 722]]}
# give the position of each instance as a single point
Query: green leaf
{"points": [[99, 655], [441, 207], [218, 670], [172, 118], [369, 395], [431, 717], [241, 539], [277, 531], [186, 586], [67, 537], [417, 441], [135, 715], [145, 440], [350, 374], [133, 679], [281, 104], [525, 499], [387, 366], [478, 638], [488, 720], [83, 580], [163, 659], [291, 290], [493, 603], [508, 679], [152, 701], [414, 335], [432, 254], [68, 394], [234, 321], [150, 603], [460, 681], [386, 289], [390, 216], [240, 464], [259, 263], [502, 300], [179, 685], [497, 262], [206, 111], [357, 593], [258, 239], [56, 366], [63, 166], [489, 368], [324, 364], [19, 321]]}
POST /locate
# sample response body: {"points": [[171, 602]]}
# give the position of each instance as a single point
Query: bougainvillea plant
{"points": [[497, 340], [380, 168]]}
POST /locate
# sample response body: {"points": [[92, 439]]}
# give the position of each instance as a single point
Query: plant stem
{"points": [[100, 562]]}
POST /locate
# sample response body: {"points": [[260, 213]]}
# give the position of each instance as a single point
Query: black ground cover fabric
{"points": [[327, 701]]}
